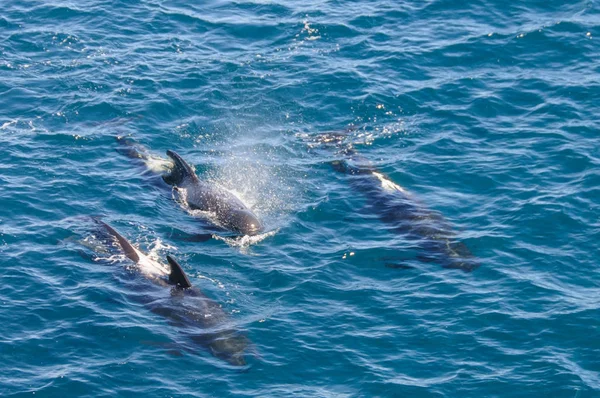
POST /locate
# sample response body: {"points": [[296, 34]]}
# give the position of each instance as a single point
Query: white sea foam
{"points": [[244, 242]]}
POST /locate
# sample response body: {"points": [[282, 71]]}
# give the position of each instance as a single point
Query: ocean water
{"points": [[487, 112]]}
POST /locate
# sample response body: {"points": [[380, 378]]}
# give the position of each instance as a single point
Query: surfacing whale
{"points": [[171, 294], [399, 209], [228, 210]]}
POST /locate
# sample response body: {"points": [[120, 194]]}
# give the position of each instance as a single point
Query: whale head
{"points": [[181, 170], [244, 221]]}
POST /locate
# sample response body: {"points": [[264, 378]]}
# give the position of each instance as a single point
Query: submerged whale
{"points": [[229, 211], [171, 295], [398, 208]]}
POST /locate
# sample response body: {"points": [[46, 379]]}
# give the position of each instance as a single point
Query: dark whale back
{"points": [[182, 171], [230, 211]]}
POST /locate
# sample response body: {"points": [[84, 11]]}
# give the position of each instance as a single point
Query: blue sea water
{"points": [[487, 112]]}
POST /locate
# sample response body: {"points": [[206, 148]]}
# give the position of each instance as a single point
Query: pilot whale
{"points": [[229, 211], [401, 210], [171, 294]]}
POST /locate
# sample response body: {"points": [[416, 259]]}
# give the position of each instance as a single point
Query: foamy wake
{"points": [[105, 252], [158, 164], [157, 249], [244, 242]]}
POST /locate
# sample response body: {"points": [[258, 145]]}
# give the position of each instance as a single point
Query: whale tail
{"points": [[180, 172]]}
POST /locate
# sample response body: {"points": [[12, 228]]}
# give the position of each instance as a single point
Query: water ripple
{"points": [[485, 112]]}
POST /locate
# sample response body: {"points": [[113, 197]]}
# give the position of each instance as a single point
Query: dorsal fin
{"points": [[177, 276], [129, 250], [182, 168]]}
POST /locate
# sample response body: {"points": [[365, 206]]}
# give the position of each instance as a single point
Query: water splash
{"points": [[261, 188], [8, 124], [158, 164], [256, 176], [313, 33], [156, 252], [246, 241], [109, 251], [352, 135], [19, 125]]}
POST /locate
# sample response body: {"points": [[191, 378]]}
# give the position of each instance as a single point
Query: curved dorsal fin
{"points": [[177, 276], [129, 250], [182, 168]]}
